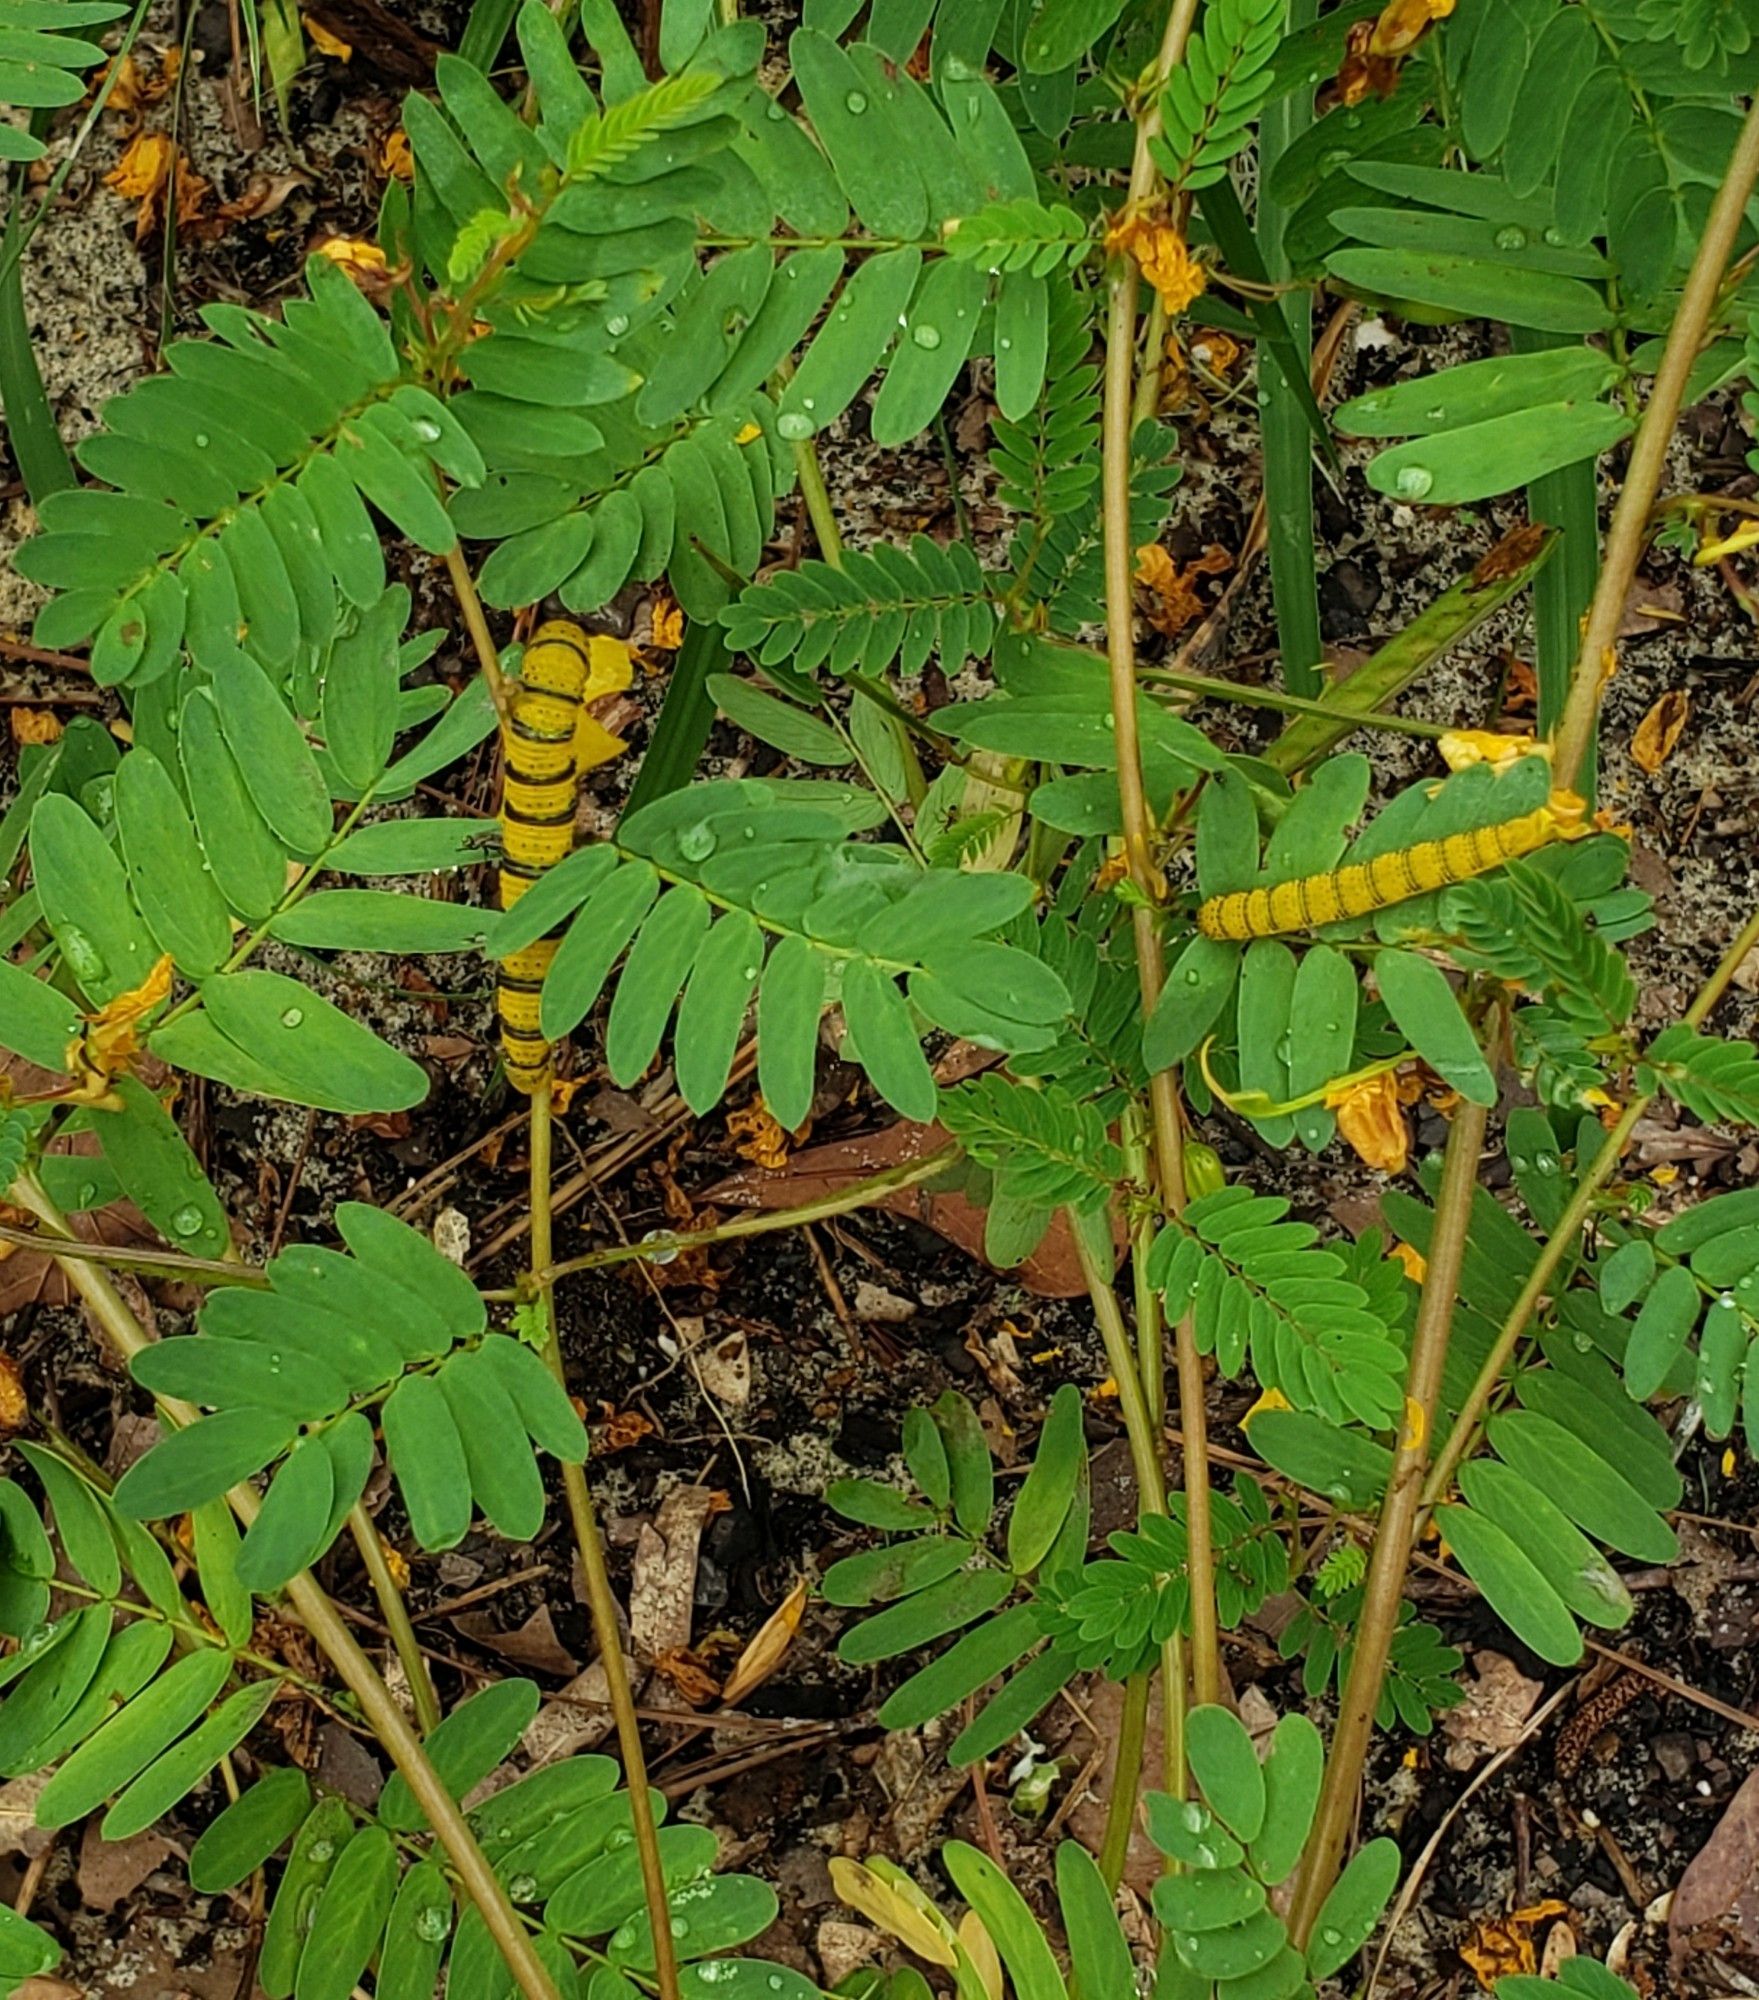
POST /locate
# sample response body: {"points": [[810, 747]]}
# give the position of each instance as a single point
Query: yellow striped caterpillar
{"points": [[1312, 900], [537, 826]]}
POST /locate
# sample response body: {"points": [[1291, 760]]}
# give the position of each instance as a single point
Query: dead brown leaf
{"points": [[620, 1430], [1052, 1271], [1660, 730], [768, 1647], [1174, 602], [662, 1588], [111, 1870], [534, 1645], [1494, 1714]]}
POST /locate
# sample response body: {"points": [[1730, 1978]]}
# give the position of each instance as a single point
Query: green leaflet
{"points": [[131, 1739], [349, 1918], [468, 1744], [425, 1452], [202, 1461], [186, 1763], [172, 887], [317, 1848], [157, 1171], [1426, 1012], [262, 1031], [86, 903], [289, 1532]]}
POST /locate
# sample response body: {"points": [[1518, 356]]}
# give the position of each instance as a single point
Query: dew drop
{"points": [[1435, 414], [292, 1017], [1193, 977], [661, 1256], [426, 429], [1005, 344], [88, 1193], [201, 440], [855, 103], [926, 336], [186, 1221], [680, 1927], [1332, 1937], [794, 425], [698, 842], [320, 1851], [1513, 237], [522, 1888], [432, 1924], [623, 1937], [1581, 1342], [1414, 481], [1553, 235], [1545, 1163], [617, 325]]}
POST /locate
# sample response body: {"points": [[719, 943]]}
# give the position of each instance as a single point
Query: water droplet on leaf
{"points": [[926, 336], [1414, 481]]}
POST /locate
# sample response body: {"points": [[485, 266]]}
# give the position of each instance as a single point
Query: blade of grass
{"points": [[686, 717], [1564, 500], [41, 457], [1285, 413], [1460, 609]]}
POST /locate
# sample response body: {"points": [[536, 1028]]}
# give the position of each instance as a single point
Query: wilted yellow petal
{"points": [[1272, 1399], [144, 167], [610, 666], [980, 1948], [1463, 747], [594, 744], [1660, 730], [1161, 254], [1730, 545], [395, 158], [668, 634], [363, 261], [112, 1035], [1370, 1119], [885, 1906], [1415, 1263], [326, 43], [35, 725], [746, 434], [14, 1410], [768, 1648]]}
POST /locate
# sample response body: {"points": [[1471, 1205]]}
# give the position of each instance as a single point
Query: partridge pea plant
{"points": [[626, 313]]}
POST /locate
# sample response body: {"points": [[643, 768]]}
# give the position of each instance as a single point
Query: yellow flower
{"points": [[1462, 747], [1370, 1118], [1272, 1399], [1161, 254]]}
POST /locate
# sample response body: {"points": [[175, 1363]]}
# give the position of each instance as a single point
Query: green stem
{"points": [[1168, 1133], [1464, 1435], [1120, 1815], [1642, 482], [858, 1194], [127, 1337], [390, 1596], [1383, 1590], [599, 1596]]}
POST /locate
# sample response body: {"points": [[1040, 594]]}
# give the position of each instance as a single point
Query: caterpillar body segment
{"points": [[537, 825], [1311, 901]]}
